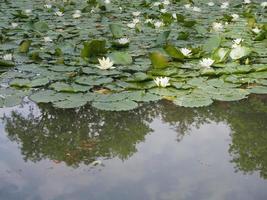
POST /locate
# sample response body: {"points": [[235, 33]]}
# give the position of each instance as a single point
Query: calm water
{"points": [[157, 152]]}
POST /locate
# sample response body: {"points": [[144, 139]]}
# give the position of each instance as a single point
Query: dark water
{"points": [[157, 152]]}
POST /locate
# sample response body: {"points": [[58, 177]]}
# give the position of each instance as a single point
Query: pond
{"points": [[147, 100], [158, 151]]}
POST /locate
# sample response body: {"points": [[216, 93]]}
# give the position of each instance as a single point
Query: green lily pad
{"points": [[121, 58], [116, 105]]}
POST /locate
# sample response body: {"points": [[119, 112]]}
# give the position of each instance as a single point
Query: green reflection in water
{"points": [[81, 136]]}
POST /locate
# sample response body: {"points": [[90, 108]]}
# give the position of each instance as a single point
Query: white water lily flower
{"points": [[237, 42], [235, 17], [216, 26], [211, 3], [206, 62], [8, 57], [162, 82], [77, 14], [186, 52], [247, 2], [158, 24], [166, 2], [187, 6], [136, 14], [107, 1], [149, 21], [59, 14], [164, 10], [123, 40], [196, 9], [256, 30], [225, 5], [105, 63], [131, 25], [48, 6], [14, 25], [174, 15], [156, 3], [136, 20], [28, 11], [48, 39], [264, 4]]}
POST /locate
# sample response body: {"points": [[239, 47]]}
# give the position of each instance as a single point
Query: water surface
{"points": [[156, 152]]}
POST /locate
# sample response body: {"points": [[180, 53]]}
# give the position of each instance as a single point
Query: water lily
{"points": [[28, 11], [136, 20], [59, 13], [105, 63], [186, 52], [158, 24], [156, 3], [131, 25], [237, 42], [123, 41], [164, 10], [235, 17], [149, 21], [264, 4], [174, 15], [8, 57], [225, 5], [211, 3], [206, 62], [48, 39], [247, 2], [107, 1], [136, 14], [77, 14], [48, 6], [256, 30], [162, 82], [217, 26], [166, 2], [14, 25], [196, 9], [187, 6]]}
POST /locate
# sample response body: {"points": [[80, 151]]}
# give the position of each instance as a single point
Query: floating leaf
{"points": [[158, 60], [41, 26], [67, 104], [239, 52], [142, 96], [162, 38], [116, 30], [230, 94], [193, 101], [47, 96], [25, 46], [212, 43], [121, 58], [116, 105], [258, 90], [20, 83], [93, 48], [173, 52]]}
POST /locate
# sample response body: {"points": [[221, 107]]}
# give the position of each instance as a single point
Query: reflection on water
{"points": [[153, 140]]}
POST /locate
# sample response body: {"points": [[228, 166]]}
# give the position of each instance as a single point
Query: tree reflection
{"points": [[78, 136], [84, 135]]}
